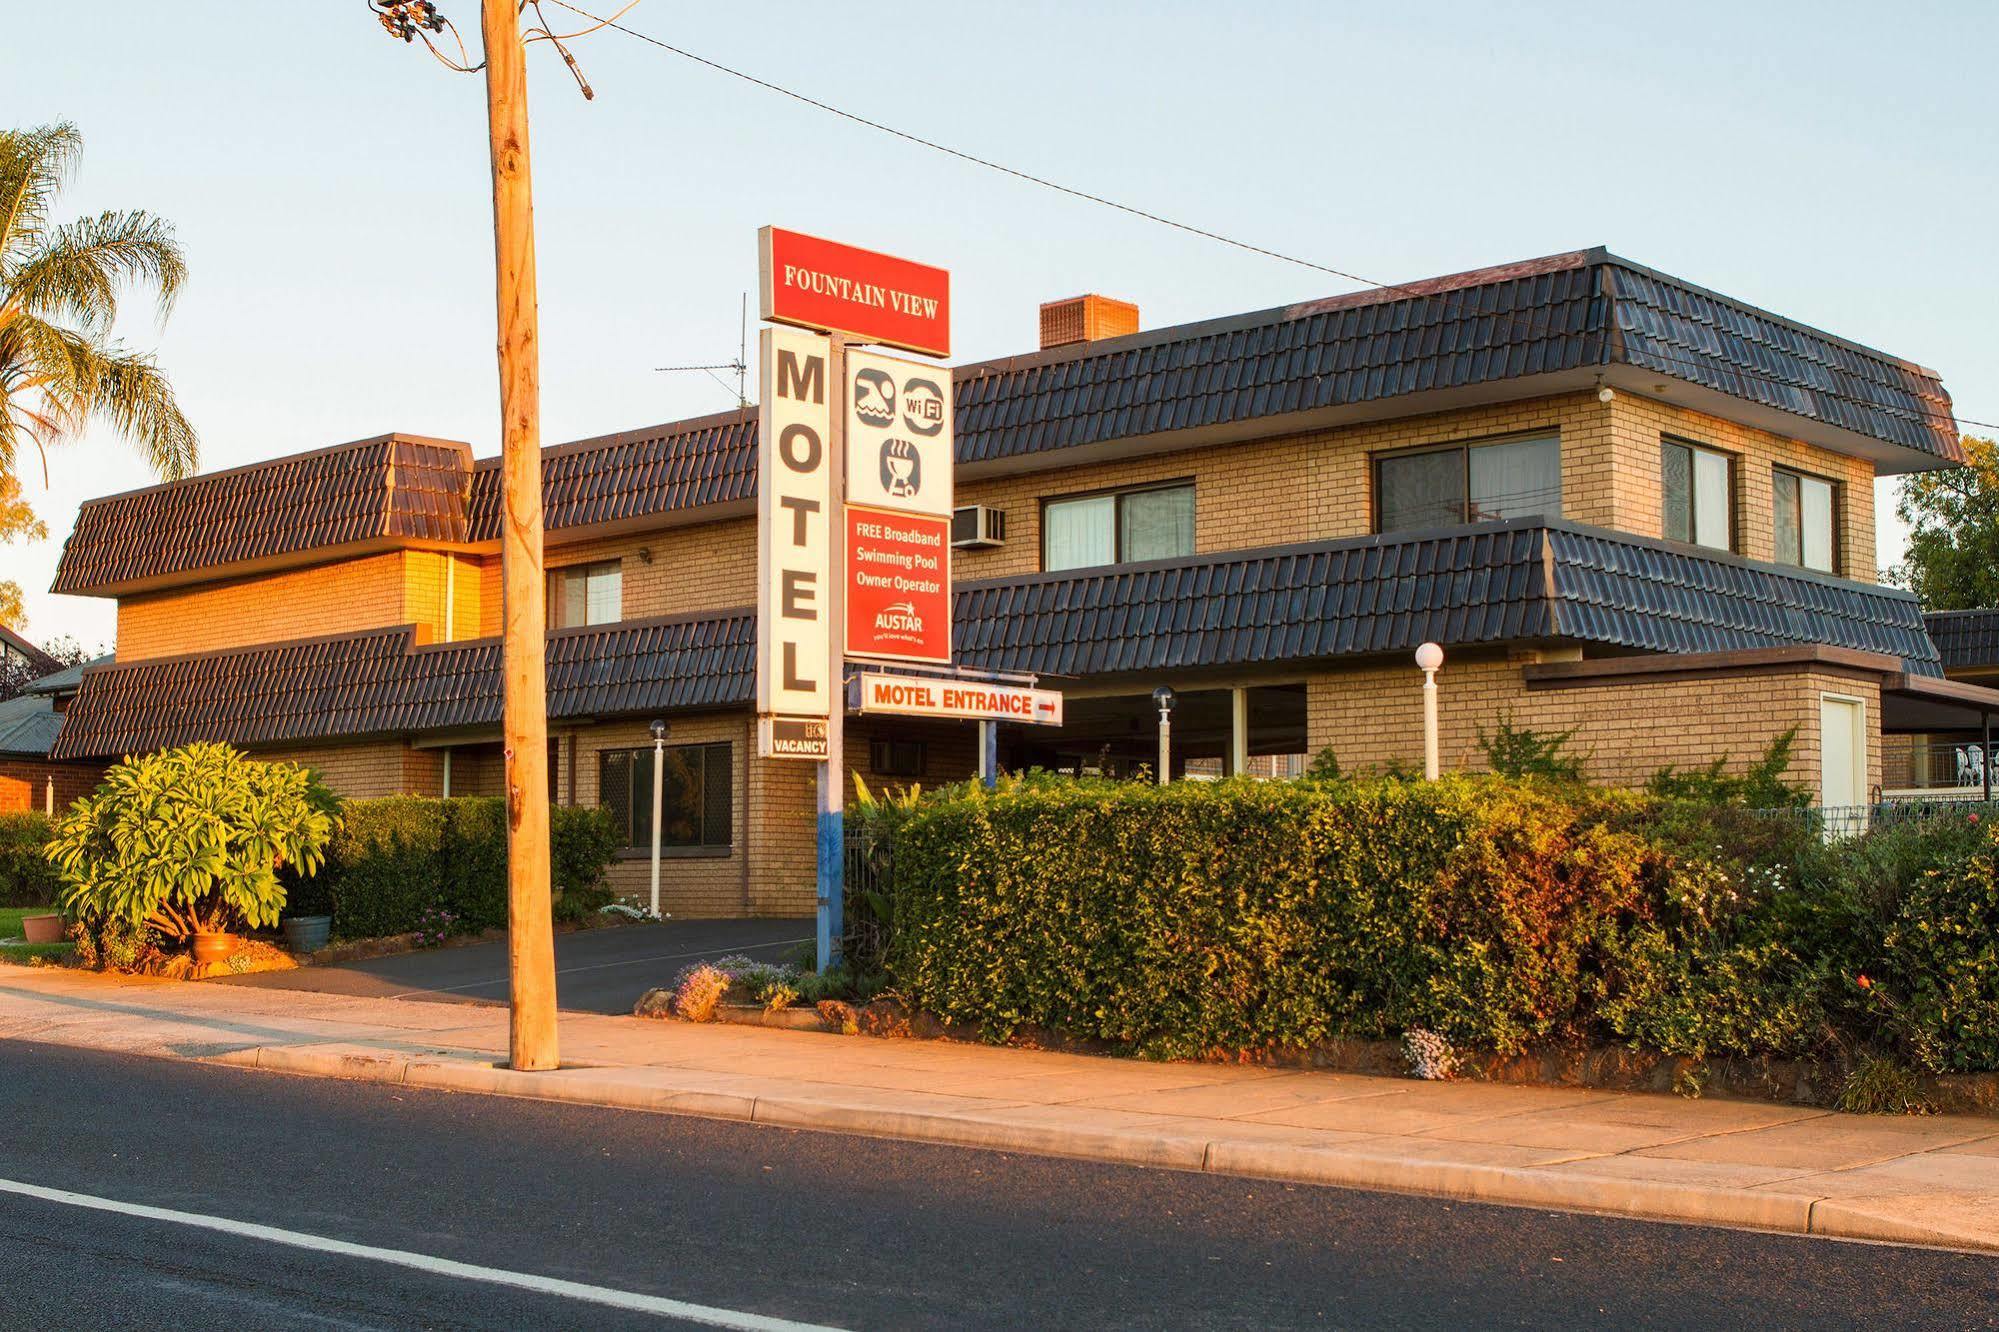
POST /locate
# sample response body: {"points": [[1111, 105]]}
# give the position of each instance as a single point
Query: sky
{"points": [[1834, 162]]}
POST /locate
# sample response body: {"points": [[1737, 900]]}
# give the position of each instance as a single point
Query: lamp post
{"points": [[658, 782], [1429, 658], [1162, 698]]}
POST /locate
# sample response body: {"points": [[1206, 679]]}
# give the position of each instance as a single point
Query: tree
{"points": [[190, 841], [17, 522], [60, 283], [16, 675], [1953, 518]]}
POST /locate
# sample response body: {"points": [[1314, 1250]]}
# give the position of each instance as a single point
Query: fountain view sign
{"points": [[870, 296]]}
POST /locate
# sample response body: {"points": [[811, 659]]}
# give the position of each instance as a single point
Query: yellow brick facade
{"points": [[1629, 728], [1320, 486], [398, 587]]}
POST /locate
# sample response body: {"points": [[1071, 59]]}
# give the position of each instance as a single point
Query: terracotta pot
{"points": [[42, 929], [212, 948]]}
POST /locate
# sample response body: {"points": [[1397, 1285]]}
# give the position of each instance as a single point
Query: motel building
{"points": [[1623, 504]]}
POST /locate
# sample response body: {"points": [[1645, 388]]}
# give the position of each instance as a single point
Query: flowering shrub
{"points": [[1430, 1056], [435, 924], [698, 989]]}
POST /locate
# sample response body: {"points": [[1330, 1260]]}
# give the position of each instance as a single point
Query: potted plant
{"points": [[43, 929], [189, 841]]}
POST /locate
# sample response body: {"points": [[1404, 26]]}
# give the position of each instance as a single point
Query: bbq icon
{"points": [[901, 469], [874, 397]]}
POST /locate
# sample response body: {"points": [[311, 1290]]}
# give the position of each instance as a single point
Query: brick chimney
{"points": [[1087, 318]]}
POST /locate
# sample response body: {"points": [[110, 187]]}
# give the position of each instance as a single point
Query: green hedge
{"points": [[1242, 916], [396, 858], [27, 879]]}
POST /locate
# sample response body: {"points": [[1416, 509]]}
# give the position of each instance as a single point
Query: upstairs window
{"points": [[1514, 478], [1084, 531], [695, 798], [1699, 489], [586, 594], [1805, 520]]}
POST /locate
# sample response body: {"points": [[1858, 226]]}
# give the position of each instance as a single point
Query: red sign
{"points": [[837, 288], [898, 585]]}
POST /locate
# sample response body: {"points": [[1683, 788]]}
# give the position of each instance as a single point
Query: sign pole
{"points": [[832, 878]]}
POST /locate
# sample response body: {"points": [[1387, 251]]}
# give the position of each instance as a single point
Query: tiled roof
{"points": [[389, 488], [633, 475], [1610, 588], [1563, 313], [1967, 640], [379, 683], [1571, 314], [1524, 580], [1296, 603]]}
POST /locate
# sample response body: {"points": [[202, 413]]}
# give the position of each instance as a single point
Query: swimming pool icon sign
{"points": [[874, 397], [901, 468]]}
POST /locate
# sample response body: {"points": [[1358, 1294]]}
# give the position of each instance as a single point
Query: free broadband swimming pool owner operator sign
{"points": [[898, 525], [910, 696], [872, 297]]}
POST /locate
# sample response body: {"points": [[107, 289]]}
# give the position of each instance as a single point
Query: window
{"points": [[896, 758], [1699, 490], [696, 799], [1806, 506], [1087, 530], [1481, 483], [586, 594]]}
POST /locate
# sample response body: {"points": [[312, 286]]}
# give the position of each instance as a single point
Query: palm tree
{"points": [[59, 290]]}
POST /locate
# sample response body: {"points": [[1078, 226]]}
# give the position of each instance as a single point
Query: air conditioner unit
{"points": [[976, 527]]}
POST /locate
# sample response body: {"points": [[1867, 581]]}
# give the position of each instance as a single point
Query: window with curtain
{"points": [[1084, 531], [586, 594], [1805, 520], [696, 798], [1699, 495], [1514, 478]]}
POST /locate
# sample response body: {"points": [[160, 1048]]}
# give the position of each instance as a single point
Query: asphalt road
{"points": [[597, 971], [747, 1221]]}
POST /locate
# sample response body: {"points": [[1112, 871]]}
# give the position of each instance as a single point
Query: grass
{"points": [[10, 928]]}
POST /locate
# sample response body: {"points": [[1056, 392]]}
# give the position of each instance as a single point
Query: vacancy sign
{"points": [[795, 541], [898, 434], [871, 297], [908, 696], [898, 585]]}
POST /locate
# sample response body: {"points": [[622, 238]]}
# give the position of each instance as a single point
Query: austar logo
{"points": [[899, 617]]}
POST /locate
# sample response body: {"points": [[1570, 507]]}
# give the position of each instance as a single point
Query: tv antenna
{"points": [[741, 365]]}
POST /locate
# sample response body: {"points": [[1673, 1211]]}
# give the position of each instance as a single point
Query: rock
{"points": [[654, 1003]]}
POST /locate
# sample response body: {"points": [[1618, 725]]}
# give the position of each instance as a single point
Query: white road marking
{"points": [[603, 966], [423, 1262]]}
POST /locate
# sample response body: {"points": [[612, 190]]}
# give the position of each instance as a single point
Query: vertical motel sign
{"points": [[854, 482]]}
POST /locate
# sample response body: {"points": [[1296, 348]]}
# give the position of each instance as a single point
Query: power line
{"points": [[1928, 416]]}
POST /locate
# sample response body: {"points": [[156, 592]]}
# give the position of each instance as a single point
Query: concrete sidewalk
{"points": [[1924, 1181]]}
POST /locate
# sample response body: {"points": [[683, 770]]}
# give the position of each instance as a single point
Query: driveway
{"points": [[596, 971]]}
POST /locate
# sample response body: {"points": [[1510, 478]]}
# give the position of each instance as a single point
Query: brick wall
{"points": [[399, 587], [1637, 425], [367, 770], [1320, 486], [1629, 729], [24, 783]]}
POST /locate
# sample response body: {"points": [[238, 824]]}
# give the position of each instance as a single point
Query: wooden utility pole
{"points": [[524, 712]]}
